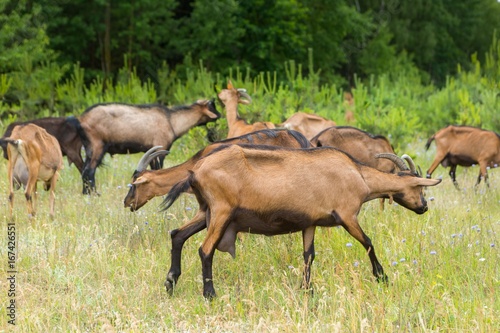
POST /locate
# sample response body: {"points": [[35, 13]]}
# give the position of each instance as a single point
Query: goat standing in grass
{"points": [[147, 184], [272, 191], [33, 155], [465, 146], [123, 129], [231, 97]]}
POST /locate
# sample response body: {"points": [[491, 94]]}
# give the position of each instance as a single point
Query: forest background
{"points": [[412, 66]]}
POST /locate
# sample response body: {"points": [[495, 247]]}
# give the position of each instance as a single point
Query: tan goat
{"points": [[273, 191], [307, 124], [147, 184], [231, 97], [33, 155], [465, 146]]}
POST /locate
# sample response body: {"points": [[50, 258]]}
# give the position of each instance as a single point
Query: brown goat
{"points": [[361, 145], [33, 155], [307, 124], [465, 146], [148, 184], [272, 191], [64, 129], [122, 129], [231, 97]]}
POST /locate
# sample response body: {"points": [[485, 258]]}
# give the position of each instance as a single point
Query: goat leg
{"points": [[179, 236], [308, 243], [355, 230]]}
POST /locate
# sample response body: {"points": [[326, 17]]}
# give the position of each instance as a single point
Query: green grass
{"points": [[99, 267]]}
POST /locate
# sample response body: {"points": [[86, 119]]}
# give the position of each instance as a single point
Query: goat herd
{"points": [[261, 179]]}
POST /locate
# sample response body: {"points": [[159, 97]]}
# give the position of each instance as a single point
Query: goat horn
{"points": [[243, 93], [394, 158], [149, 156], [411, 164]]}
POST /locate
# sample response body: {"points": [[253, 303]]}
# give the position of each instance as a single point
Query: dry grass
{"points": [[98, 267]]}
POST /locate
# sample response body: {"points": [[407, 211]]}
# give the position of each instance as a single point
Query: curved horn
{"points": [[411, 164], [149, 156], [394, 158], [243, 93]]}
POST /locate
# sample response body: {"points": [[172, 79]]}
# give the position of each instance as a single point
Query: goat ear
{"points": [[229, 85], [428, 182], [140, 180]]}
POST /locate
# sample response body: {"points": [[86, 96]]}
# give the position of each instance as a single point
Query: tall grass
{"points": [[99, 267]]}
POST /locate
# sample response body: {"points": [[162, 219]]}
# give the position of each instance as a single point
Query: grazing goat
{"points": [[231, 97], [361, 145], [307, 124], [272, 191], [64, 130], [122, 129], [148, 184], [465, 146], [33, 155]]}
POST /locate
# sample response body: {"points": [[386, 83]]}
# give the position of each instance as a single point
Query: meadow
{"points": [[97, 267]]}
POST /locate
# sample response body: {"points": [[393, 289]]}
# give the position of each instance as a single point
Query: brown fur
{"points": [[307, 124], [122, 129], [231, 97], [64, 129], [465, 146], [272, 191], [33, 155], [149, 184], [361, 145]]}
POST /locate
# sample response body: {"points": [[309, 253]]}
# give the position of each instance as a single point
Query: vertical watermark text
{"points": [[11, 273]]}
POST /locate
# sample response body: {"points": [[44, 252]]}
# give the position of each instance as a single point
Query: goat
{"points": [[307, 124], [63, 129], [230, 98], [271, 191], [361, 145], [465, 146], [33, 155], [122, 129], [147, 184]]}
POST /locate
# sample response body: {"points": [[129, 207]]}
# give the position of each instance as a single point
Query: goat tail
{"points": [[428, 144], [174, 193], [73, 121]]}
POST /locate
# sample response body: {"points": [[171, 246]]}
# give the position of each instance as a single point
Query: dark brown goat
{"points": [[272, 191], [465, 146], [308, 124], [122, 129], [64, 130], [148, 184], [33, 155]]}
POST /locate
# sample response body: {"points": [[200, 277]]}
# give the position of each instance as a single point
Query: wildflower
{"points": [[188, 208], [482, 259], [402, 260], [492, 245], [433, 252], [404, 240], [349, 245], [414, 261], [356, 264], [394, 263], [431, 199]]}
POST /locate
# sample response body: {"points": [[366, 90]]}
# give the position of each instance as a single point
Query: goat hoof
{"points": [[169, 286], [383, 278], [209, 294]]}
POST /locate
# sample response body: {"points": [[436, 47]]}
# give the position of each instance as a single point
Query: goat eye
{"points": [[129, 185]]}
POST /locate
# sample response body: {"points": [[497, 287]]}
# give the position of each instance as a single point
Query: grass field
{"points": [[97, 267]]}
